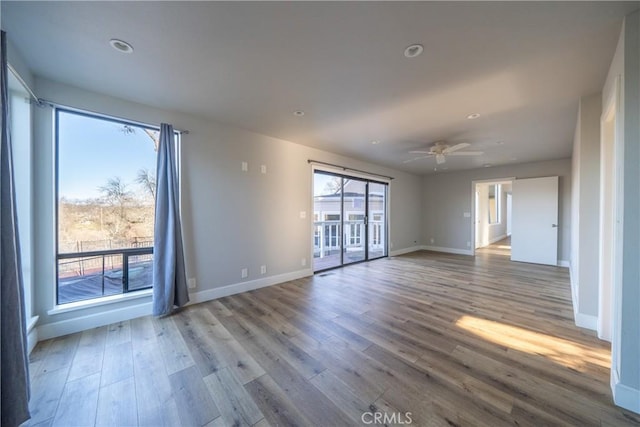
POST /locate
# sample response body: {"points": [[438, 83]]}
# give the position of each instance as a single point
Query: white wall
{"points": [[447, 196], [625, 345], [585, 214], [231, 219]]}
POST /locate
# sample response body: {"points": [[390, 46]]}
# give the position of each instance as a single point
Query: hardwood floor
{"points": [[426, 338]]}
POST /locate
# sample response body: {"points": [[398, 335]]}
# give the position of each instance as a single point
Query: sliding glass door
{"points": [[377, 229], [354, 206], [350, 221]]}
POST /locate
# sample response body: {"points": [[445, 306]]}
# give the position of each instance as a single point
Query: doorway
{"points": [[610, 227], [349, 220], [492, 216]]}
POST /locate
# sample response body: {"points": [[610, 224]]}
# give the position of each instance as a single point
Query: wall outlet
{"points": [[432, 240], [467, 214], [303, 262], [263, 269], [191, 283], [244, 273], [263, 168], [245, 166], [303, 214]]}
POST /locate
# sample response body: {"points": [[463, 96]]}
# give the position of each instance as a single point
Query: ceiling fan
{"points": [[441, 149]]}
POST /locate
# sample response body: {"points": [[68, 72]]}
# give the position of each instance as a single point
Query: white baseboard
{"points": [[405, 250], [448, 250], [107, 317], [236, 288], [623, 395], [586, 321], [563, 263]]}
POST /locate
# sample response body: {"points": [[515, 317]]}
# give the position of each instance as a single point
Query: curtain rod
{"points": [[344, 168], [22, 82], [40, 102]]}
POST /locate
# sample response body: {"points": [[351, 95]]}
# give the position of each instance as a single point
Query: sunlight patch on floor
{"points": [[567, 353]]}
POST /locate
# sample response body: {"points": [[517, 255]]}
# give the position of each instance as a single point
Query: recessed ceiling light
{"points": [[487, 165], [298, 113], [375, 142], [121, 46], [473, 116], [513, 159], [413, 50], [499, 142]]}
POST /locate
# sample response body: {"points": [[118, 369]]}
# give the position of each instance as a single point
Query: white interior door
{"points": [[534, 228]]}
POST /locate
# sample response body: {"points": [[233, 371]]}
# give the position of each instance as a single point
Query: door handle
{"points": [[554, 225]]}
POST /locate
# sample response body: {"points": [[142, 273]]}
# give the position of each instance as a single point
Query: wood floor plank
{"points": [[274, 403], [79, 402], [119, 333], [46, 390], [341, 395], [155, 403], [174, 350], [117, 404], [232, 399], [142, 332], [60, 353], [117, 364], [195, 405]]}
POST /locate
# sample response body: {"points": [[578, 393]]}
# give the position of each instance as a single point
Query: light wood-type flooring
{"points": [[435, 339]]}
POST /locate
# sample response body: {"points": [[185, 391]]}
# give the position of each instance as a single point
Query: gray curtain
{"points": [[169, 276], [14, 362]]}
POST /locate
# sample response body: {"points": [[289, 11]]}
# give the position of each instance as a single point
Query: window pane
{"points": [[140, 273], [89, 277], [106, 198]]}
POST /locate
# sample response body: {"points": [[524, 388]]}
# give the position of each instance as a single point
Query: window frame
{"points": [[124, 252]]}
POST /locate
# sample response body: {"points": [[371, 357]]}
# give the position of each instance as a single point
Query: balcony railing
{"points": [[328, 236], [94, 274]]}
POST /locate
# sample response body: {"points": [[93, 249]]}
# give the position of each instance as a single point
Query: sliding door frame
{"points": [[367, 179]]}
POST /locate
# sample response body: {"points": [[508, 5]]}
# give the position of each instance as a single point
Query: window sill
{"points": [[112, 299]]}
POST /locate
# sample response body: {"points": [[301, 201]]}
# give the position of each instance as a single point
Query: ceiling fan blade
{"points": [[466, 153], [416, 158], [419, 152], [456, 147]]}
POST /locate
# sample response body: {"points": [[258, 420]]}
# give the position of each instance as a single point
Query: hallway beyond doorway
{"points": [[501, 248]]}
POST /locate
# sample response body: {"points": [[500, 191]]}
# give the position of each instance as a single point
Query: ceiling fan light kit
{"points": [[441, 149]]}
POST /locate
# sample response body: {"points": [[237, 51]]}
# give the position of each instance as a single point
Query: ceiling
{"points": [[522, 66]]}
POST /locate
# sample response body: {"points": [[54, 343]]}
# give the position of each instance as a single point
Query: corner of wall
{"points": [[624, 396]]}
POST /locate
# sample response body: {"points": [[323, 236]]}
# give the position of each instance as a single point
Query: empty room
{"points": [[320, 213]]}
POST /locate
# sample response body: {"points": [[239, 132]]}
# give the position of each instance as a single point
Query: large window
{"points": [[105, 212]]}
